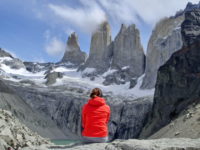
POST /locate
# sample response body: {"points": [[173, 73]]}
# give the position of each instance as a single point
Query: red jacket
{"points": [[95, 117]]}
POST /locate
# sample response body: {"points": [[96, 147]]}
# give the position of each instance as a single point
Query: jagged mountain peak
{"points": [[123, 28], [190, 6], [73, 54], [72, 42], [104, 26]]}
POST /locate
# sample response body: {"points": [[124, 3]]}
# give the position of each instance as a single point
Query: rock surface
{"points": [[128, 51], [52, 76], [164, 41], [160, 144], [64, 104], [14, 134], [8, 60], [186, 125], [99, 49], [40, 123], [5, 54], [125, 55], [73, 54], [128, 57], [178, 80], [35, 67]]}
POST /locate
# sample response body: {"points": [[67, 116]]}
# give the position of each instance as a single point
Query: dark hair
{"points": [[96, 92]]}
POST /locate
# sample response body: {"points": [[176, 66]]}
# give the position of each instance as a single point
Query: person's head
{"points": [[9, 148], [96, 92]]}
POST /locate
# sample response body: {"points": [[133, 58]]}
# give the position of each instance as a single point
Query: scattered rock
{"points": [[51, 77]]}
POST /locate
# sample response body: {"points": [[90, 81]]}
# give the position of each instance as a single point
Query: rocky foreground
{"points": [[160, 144], [14, 134]]}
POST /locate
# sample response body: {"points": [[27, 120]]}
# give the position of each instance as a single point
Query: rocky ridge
{"points": [[10, 61]]}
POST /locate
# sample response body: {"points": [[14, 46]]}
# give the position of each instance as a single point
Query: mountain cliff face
{"points": [[99, 49], [128, 59], [40, 123], [73, 55], [64, 104], [124, 56], [128, 51], [164, 41], [178, 80]]}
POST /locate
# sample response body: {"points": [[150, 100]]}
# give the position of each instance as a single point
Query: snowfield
{"points": [[74, 79]]}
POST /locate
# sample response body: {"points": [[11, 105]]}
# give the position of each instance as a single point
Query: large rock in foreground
{"points": [[160, 144], [14, 134], [178, 80]]}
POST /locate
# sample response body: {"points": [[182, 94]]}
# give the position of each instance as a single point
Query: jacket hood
{"points": [[97, 101]]}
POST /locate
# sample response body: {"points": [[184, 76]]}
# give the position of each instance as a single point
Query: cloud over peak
{"points": [[55, 47], [91, 13], [87, 17]]}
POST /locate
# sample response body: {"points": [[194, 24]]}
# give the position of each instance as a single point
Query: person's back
{"points": [[95, 117]]}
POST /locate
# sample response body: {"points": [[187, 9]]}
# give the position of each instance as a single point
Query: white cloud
{"points": [[150, 11], [55, 47], [93, 12], [69, 31], [87, 17]]}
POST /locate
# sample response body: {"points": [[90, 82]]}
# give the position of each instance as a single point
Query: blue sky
{"points": [[37, 30]]}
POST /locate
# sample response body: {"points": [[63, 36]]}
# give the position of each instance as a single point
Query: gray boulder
{"points": [[52, 76], [73, 55], [164, 41]]}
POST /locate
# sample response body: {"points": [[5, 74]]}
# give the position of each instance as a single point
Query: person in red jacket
{"points": [[95, 118]]}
